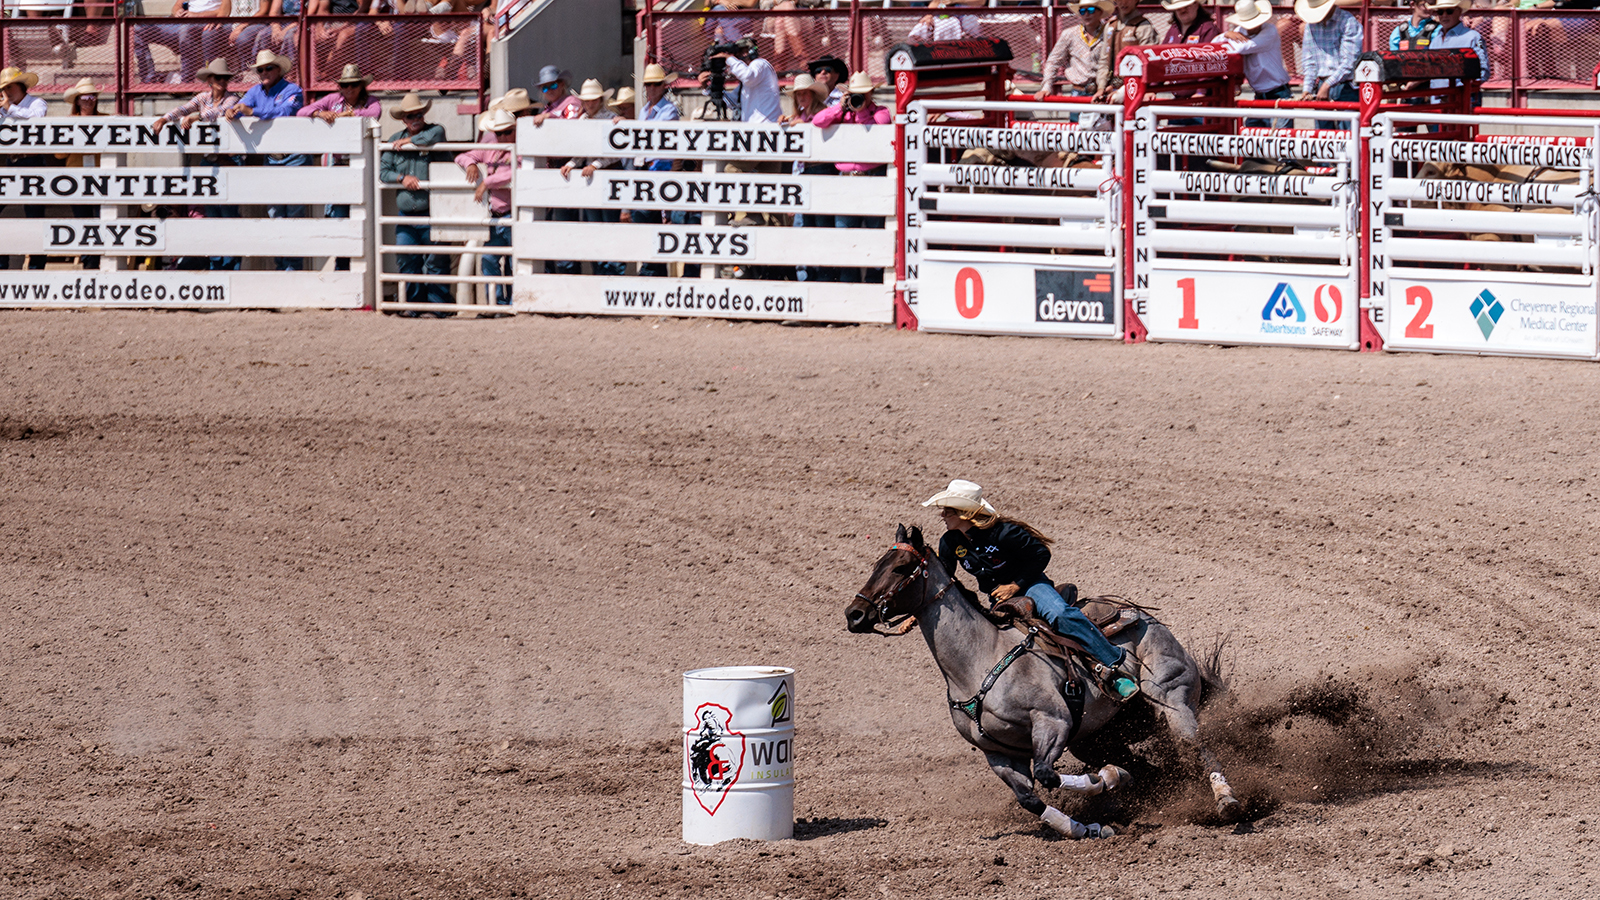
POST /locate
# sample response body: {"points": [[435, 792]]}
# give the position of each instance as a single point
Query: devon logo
{"points": [[1283, 305], [1487, 310]]}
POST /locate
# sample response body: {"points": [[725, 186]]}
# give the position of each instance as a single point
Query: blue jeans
{"points": [[1343, 92], [295, 211], [420, 264], [1281, 92], [223, 263], [1069, 621], [494, 266]]}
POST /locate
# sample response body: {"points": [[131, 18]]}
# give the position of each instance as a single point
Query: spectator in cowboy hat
{"points": [[208, 105], [1331, 44], [593, 96], [352, 99], [516, 102], [623, 105], [1254, 36], [810, 97], [658, 107], [858, 108], [1129, 28], [1190, 23], [1080, 59], [556, 95], [407, 166], [1454, 33], [83, 99], [17, 103], [491, 170], [275, 97], [944, 26], [832, 73]]}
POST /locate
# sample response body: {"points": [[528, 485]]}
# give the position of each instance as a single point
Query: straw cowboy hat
{"points": [[654, 74], [268, 58], [410, 103], [1106, 6], [965, 496], [217, 68], [1171, 5], [1313, 11], [860, 83], [12, 75], [592, 90], [807, 83], [514, 101], [352, 75], [1250, 13], [84, 87], [1462, 5], [625, 97], [496, 120]]}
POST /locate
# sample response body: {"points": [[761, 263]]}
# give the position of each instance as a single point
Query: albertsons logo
{"points": [[1282, 308], [1487, 311]]}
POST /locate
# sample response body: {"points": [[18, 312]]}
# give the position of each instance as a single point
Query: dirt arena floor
{"points": [[333, 605]]}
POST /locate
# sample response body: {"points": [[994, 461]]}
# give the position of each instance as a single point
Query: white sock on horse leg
{"points": [[1063, 823], [1078, 782]]}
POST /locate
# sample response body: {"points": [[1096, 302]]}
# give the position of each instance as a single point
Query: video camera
{"points": [[713, 62]]}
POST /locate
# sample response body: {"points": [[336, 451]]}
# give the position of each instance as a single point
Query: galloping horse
{"points": [[1018, 712]]}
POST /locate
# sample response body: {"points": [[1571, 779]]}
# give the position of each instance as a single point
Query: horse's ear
{"points": [[916, 536], [900, 534]]}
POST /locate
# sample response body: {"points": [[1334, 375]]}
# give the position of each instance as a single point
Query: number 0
{"points": [[969, 293]]}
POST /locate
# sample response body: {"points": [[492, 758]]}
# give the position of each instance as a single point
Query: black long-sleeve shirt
{"points": [[1003, 553]]}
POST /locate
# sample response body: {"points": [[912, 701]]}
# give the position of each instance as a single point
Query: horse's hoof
{"points": [[1048, 779], [1112, 777], [1228, 808]]}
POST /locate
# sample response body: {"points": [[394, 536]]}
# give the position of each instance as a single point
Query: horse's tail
{"points": [[1214, 674]]}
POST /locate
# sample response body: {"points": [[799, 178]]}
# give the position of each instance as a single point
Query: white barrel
{"points": [[738, 754]]}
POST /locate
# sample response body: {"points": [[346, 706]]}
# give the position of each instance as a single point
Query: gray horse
{"points": [[1018, 712]]}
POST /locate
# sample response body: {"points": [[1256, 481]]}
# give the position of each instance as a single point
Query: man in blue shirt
{"points": [[1453, 34], [1332, 43], [276, 98], [657, 107]]}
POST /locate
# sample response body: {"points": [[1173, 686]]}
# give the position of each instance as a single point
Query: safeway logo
{"points": [[1333, 309]]}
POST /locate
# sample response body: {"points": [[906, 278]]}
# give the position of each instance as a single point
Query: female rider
{"points": [[1008, 557]]}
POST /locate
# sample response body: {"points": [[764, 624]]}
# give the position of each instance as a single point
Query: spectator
{"points": [[1454, 34], [274, 98], [1415, 33], [1129, 28], [858, 107], [516, 102], [593, 97], [727, 29], [1189, 24], [624, 107], [208, 106], [83, 99], [658, 107], [831, 73], [1080, 60], [1253, 35], [810, 98], [556, 96], [17, 103], [333, 39], [283, 37], [1332, 43], [352, 99], [192, 42], [490, 171], [945, 26], [407, 166], [249, 38], [758, 83]]}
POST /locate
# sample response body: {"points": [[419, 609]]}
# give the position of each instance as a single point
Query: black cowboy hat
{"points": [[829, 62]]}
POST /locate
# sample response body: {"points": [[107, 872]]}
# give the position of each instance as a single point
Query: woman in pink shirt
{"points": [[352, 99], [857, 108], [491, 171]]}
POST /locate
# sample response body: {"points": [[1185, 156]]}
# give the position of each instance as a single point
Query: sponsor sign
{"points": [[102, 235], [1019, 139], [714, 754], [1017, 298], [1495, 154], [105, 135], [144, 289], [1246, 308], [1012, 177], [1493, 317], [620, 296], [944, 54], [1255, 146]]}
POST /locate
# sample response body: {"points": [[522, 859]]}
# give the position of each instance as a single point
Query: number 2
{"points": [[1422, 298]]}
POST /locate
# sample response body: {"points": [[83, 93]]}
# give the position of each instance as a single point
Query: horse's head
{"points": [[889, 595]]}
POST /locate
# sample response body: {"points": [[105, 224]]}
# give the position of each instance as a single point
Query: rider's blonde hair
{"points": [[981, 519]]}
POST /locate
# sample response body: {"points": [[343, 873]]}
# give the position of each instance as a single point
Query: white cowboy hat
{"points": [[963, 495], [1313, 11], [410, 103], [860, 83], [625, 97], [496, 120], [592, 90], [268, 58], [1106, 6], [217, 68], [12, 75], [1171, 5], [513, 101], [804, 82], [1250, 13], [84, 87], [1462, 5], [654, 74]]}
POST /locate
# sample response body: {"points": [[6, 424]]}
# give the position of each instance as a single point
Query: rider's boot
{"points": [[1116, 680]]}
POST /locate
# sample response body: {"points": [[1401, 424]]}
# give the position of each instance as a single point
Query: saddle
{"points": [[1111, 614]]}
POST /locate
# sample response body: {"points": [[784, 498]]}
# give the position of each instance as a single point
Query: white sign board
{"points": [[1019, 298], [1251, 308], [723, 299], [1480, 316]]}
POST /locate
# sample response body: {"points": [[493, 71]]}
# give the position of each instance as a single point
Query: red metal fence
{"points": [[1529, 50], [127, 57]]}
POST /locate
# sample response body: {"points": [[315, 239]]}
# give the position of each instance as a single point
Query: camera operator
{"points": [[757, 100], [858, 108]]}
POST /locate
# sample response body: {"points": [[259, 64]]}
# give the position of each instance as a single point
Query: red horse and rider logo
{"points": [[715, 753]]}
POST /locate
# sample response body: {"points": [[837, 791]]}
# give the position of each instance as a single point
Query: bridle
{"points": [[882, 600]]}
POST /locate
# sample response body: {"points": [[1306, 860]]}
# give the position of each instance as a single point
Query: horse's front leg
{"points": [[1015, 774], [1050, 734]]}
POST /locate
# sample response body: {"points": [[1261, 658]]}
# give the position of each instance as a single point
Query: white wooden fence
{"points": [[223, 174]]}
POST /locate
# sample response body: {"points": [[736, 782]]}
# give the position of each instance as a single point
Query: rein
{"points": [[886, 597]]}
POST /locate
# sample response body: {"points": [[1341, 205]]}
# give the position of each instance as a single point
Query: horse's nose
{"points": [[855, 619]]}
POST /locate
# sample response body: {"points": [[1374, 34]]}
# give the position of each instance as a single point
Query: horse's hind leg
{"points": [[1017, 777], [1174, 705]]}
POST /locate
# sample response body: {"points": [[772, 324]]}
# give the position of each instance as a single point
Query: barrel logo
{"points": [[780, 704], [715, 755]]}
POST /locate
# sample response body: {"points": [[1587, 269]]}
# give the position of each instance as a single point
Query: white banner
{"points": [[1245, 308], [757, 142], [122, 134], [1017, 298], [1481, 316], [1254, 146], [724, 191], [182, 290], [687, 243], [726, 299]]}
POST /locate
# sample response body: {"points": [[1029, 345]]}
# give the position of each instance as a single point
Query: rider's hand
{"points": [[1005, 592]]}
